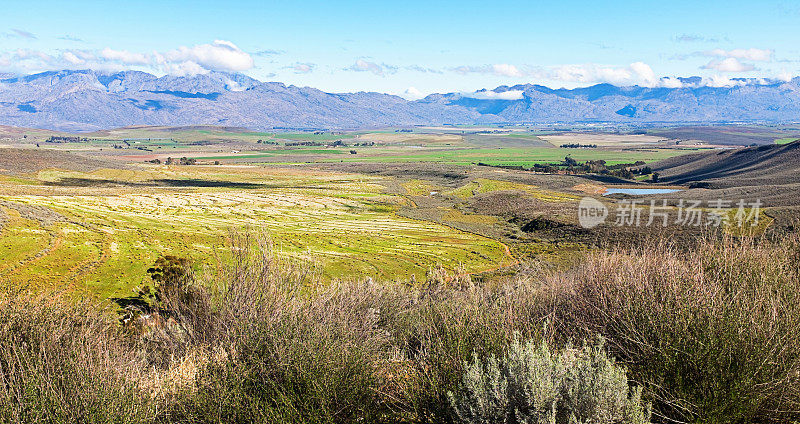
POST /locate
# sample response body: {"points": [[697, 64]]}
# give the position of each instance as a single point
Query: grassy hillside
{"points": [[768, 164]]}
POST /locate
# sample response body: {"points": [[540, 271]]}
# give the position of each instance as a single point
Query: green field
{"points": [[98, 230], [519, 156], [279, 152], [105, 239]]}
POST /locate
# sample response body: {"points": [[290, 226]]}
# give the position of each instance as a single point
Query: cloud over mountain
{"points": [[736, 60], [730, 64], [220, 55], [362, 65]]}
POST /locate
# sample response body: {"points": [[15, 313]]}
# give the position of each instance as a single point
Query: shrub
{"points": [[173, 317], [65, 362], [531, 385], [713, 333], [443, 322], [295, 351]]}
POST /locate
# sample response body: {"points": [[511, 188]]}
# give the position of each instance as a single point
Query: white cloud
{"points": [[784, 76], [721, 81], [755, 55], [423, 69], [233, 85], [220, 55], [670, 82], [412, 93], [365, 66], [72, 58], [500, 69], [71, 38], [268, 52], [125, 57], [730, 64], [637, 73], [491, 95], [185, 68], [303, 68], [693, 38], [25, 54], [736, 60], [200, 59], [506, 70], [645, 73]]}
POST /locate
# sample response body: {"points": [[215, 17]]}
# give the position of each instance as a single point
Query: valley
{"points": [[85, 217]]}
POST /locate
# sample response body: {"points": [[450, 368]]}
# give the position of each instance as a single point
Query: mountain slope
{"points": [[753, 166], [90, 100], [776, 101], [86, 100]]}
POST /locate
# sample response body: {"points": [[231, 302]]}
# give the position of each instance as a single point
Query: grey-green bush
{"points": [[532, 385]]}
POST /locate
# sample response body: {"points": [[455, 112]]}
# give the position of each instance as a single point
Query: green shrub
{"points": [[532, 385], [712, 333]]}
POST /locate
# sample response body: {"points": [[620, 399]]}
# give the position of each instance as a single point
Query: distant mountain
{"points": [[90, 100], [772, 102]]}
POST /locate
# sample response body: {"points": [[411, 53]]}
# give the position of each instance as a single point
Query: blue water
{"points": [[639, 191]]}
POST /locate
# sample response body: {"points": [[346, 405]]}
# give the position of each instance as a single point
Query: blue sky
{"points": [[411, 47]]}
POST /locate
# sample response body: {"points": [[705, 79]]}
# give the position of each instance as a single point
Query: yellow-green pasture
{"points": [[103, 236]]}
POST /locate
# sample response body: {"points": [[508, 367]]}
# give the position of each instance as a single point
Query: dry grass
{"points": [[712, 333], [66, 363]]}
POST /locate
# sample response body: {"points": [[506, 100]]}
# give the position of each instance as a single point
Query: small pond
{"points": [[639, 191]]}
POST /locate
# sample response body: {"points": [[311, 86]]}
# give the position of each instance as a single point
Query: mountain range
{"points": [[89, 100]]}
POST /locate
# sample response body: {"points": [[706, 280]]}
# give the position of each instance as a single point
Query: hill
{"points": [[21, 161], [91, 100], [753, 166]]}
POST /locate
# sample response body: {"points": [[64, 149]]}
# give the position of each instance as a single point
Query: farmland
{"points": [[102, 242], [525, 157], [385, 204], [190, 251]]}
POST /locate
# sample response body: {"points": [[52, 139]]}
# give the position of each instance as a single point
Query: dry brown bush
{"points": [[712, 332]]}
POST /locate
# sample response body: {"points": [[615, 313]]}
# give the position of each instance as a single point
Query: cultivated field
{"points": [[388, 205], [99, 231], [217, 275]]}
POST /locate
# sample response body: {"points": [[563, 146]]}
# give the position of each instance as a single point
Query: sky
{"points": [[414, 47]]}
